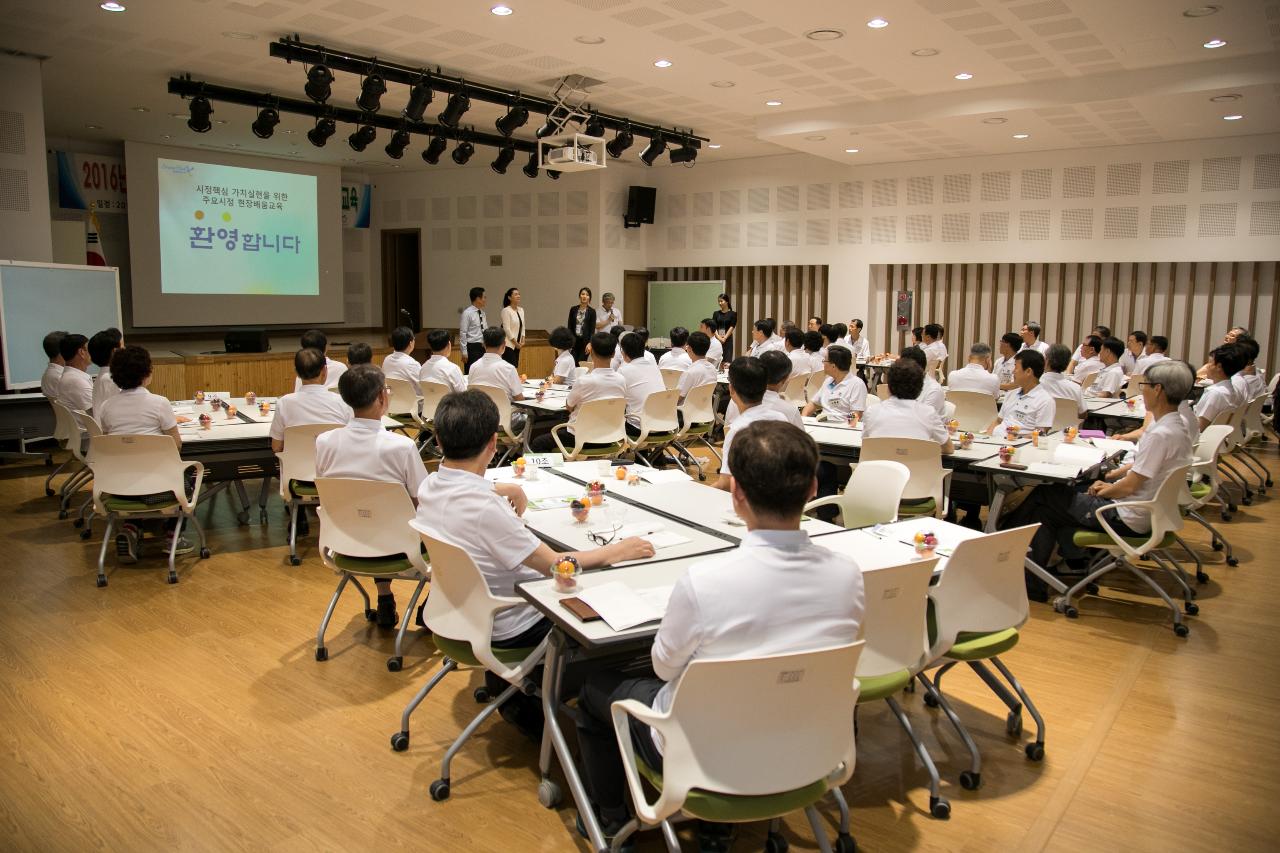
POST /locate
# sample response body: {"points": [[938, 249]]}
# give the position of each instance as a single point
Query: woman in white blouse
{"points": [[513, 326]]}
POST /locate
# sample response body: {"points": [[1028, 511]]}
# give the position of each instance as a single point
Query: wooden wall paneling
{"points": [[889, 291], [1231, 303], [1185, 341], [1210, 299], [169, 379], [1048, 331], [1253, 299], [1273, 328], [1133, 295], [1009, 271], [1170, 278], [1061, 270], [1150, 298]]}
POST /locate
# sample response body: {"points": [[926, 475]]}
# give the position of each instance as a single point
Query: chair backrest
{"points": [[1131, 386], [948, 410], [922, 457], [814, 385], [659, 412], [671, 377], [1088, 380], [794, 391], [432, 394], [1204, 466], [404, 397], [1065, 413], [298, 459], [697, 406], [873, 493], [65, 428], [1229, 418], [872, 400], [974, 410], [1166, 509], [136, 465], [88, 424], [1251, 418], [601, 421], [982, 588], [894, 621], [503, 402], [365, 518]]}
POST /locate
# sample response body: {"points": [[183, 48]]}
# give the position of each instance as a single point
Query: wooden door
{"points": [[635, 297]]}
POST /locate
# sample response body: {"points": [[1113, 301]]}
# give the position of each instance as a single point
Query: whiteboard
{"points": [[681, 303], [36, 299]]}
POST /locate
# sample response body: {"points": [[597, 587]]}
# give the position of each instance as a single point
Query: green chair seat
{"points": [[1199, 490], [460, 651], [391, 564], [303, 489], [700, 429], [602, 450], [737, 808], [877, 687], [135, 503], [928, 506], [404, 419], [971, 645], [1099, 539]]}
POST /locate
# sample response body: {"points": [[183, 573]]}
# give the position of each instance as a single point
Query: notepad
{"points": [[622, 607], [656, 535], [655, 475]]}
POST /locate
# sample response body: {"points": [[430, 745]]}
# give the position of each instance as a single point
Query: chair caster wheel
{"points": [[1091, 588], [172, 578], [939, 808], [370, 615], [262, 517], [1217, 546], [481, 695], [846, 844], [1248, 500], [930, 700], [78, 523], [400, 741], [1202, 577], [1269, 483], [85, 534], [439, 790], [1232, 561], [774, 842], [1035, 751], [1013, 724], [1191, 608], [62, 514], [205, 553], [295, 560], [969, 780], [395, 664], [322, 653], [1226, 516], [48, 493], [101, 582], [549, 795], [242, 517], [1072, 612], [1181, 630], [702, 478]]}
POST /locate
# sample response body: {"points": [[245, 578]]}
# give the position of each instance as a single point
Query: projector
{"points": [[569, 155]]}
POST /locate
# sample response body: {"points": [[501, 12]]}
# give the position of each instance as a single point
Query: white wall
{"points": [[25, 232]]}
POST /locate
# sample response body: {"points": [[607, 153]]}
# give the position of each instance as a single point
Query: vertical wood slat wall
{"points": [[1191, 303], [784, 293]]}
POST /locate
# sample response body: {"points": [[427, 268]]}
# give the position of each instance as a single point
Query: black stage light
{"points": [[361, 137], [686, 153], [503, 160], [201, 109], [530, 169], [462, 152], [265, 124], [513, 120], [399, 142], [419, 98], [619, 143], [319, 83], [431, 154], [319, 135], [594, 127], [651, 151], [555, 121], [453, 111], [372, 88]]}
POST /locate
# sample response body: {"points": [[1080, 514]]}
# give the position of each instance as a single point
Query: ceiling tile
{"points": [[993, 37], [944, 7], [459, 38], [410, 24], [1012, 51], [736, 20], [681, 32], [1035, 11], [1057, 28], [693, 7], [769, 35], [642, 17], [600, 5], [795, 50], [1075, 42], [353, 9], [716, 46], [974, 21], [747, 59]]}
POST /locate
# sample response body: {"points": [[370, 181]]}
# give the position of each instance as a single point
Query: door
{"points": [[635, 298], [402, 278]]}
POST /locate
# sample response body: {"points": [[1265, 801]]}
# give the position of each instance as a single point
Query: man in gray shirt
{"points": [[470, 333]]}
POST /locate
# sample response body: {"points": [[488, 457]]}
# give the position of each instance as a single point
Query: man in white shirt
{"points": [[932, 394], [313, 403], [316, 339], [801, 359], [715, 353], [1189, 420], [438, 368], [1156, 351], [600, 383], [471, 328], [1089, 361], [1222, 396], [400, 364], [975, 375], [1030, 335], [363, 450], [1100, 332], [643, 332], [903, 415], [761, 337], [1057, 384], [748, 382], [778, 592], [75, 386], [1111, 378], [101, 347], [53, 371], [1247, 381], [858, 342], [1060, 510], [492, 370], [562, 341], [934, 349], [1134, 348], [814, 349], [608, 316], [676, 358], [843, 394], [458, 505], [1029, 406], [701, 370], [1003, 367], [641, 378], [777, 369], [839, 336]]}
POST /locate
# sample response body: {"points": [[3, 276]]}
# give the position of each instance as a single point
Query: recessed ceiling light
{"points": [[501, 11], [165, 136], [964, 75], [662, 63], [1232, 118], [1202, 11], [723, 84], [1215, 43], [233, 144], [713, 144], [877, 23], [219, 121], [815, 138], [182, 116], [289, 131], [589, 39], [773, 103], [852, 150], [1021, 136], [926, 51], [1222, 99], [239, 36], [824, 34], [111, 7], [995, 120], [93, 127], [141, 109]]}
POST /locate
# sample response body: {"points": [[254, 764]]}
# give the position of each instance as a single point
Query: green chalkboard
{"points": [[681, 303]]}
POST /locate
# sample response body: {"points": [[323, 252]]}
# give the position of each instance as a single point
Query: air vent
{"points": [[521, 236], [850, 195], [441, 239], [549, 236], [817, 197], [613, 237], [1266, 172], [1120, 223], [13, 133], [492, 206], [1217, 220], [817, 232], [616, 204], [757, 234], [1078, 182], [575, 203], [1033, 224], [631, 240], [676, 206], [758, 200], [1264, 219], [1036, 183], [993, 225], [919, 228], [955, 228], [919, 191], [788, 198], [415, 209], [353, 312], [957, 189], [581, 81], [391, 210], [1168, 220], [575, 235], [730, 235], [1077, 224], [730, 202], [353, 240], [466, 207], [995, 186], [702, 236], [1170, 176], [1220, 174], [884, 193], [548, 204], [521, 205], [702, 204], [884, 229], [786, 233], [676, 237], [849, 232], [467, 239], [493, 238], [353, 283], [1124, 179]]}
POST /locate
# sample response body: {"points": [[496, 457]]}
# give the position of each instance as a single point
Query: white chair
{"points": [[404, 403], [794, 391], [659, 426], [1204, 484], [364, 532], [977, 607], [671, 377], [298, 475], [67, 432], [459, 612], [871, 496], [432, 394], [1133, 386], [926, 491], [1065, 414], [600, 423], [1251, 412], [1252, 425], [1234, 476], [814, 385], [1087, 382], [974, 410], [512, 431], [699, 415], [138, 477], [1165, 513], [84, 517], [724, 765]]}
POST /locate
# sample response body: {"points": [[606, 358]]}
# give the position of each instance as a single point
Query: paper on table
{"points": [[655, 533], [621, 606], [655, 475]]}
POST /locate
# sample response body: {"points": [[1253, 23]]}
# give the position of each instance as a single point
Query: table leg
{"points": [[997, 503]]}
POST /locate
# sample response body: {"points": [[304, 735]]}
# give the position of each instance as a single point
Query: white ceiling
{"points": [[1070, 73]]}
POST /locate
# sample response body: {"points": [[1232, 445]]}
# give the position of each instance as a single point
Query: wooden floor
{"points": [[145, 716]]}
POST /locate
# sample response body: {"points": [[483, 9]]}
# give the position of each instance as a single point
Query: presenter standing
{"points": [[608, 316], [472, 329], [513, 326], [726, 320], [582, 322]]}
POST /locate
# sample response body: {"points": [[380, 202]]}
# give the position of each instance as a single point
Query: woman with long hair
{"points": [[582, 322], [726, 320], [513, 326]]}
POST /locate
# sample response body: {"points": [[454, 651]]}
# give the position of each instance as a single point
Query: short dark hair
{"points": [[586, 290], [1160, 341], [918, 333], [617, 331], [679, 337], [812, 341], [308, 363], [1139, 336], [1034, 328], [603, 345], [708, 322], [464, 423], [1104, 331], [763, 327], [915, 354], [774, 464], [130, 366], [401, 337], [841, 357], [1251, 348], [826, 331], [643, 332], [1013, 339], [632, 345], [933, 330], [1115, 345], [906, 379], [1058, 357], [475, 293], [816, 319], [314, 339], [52, 343], [361, 385], [101, 345], [70, 345], [1032, 360], [777, 366], [747, 378], [795, 338], [699, 342], [838, 331], [858, 323], [438, 339], [493, 337], [359, 353], [1229, 357], [561, 338], [1094, 342]]}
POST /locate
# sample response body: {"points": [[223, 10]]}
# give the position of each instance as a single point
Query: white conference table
{"points": [[842, 437], [1117, 408]]}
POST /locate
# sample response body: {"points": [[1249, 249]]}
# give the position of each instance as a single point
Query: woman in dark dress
{"points": [[726, 320], [582, 322]]}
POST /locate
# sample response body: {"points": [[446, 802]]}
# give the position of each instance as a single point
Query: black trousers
{"points": [[474, 353], [828, 484], [580, 350], [1061, 510], [601, 758], [528, 709], [511, 356]]}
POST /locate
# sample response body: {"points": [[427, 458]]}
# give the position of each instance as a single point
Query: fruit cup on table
{"points": [[206, 422], [566, 571], [952, 426], [517, 466], [925, 543], [580, 508], [595, 492], [620, 472], [1006, 453], [1070, 435], [198, 398], [250, 397], [231, 411], [966, 440], [264, 407]]}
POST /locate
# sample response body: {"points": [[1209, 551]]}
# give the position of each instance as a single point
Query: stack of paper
{"points": [[622, 607], [655, 475]]}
